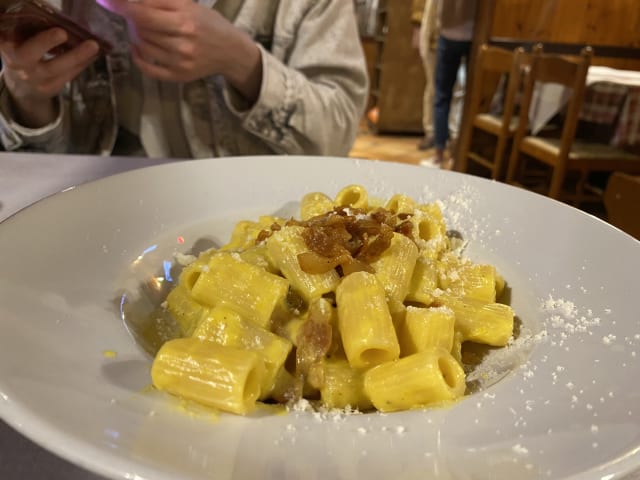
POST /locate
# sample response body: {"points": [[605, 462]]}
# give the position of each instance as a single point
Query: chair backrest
{"points": [[493, 65], [489, 93], [568, 71]]}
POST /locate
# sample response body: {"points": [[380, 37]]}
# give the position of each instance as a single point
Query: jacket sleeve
{"points": [[15, 137], [312, 102]]}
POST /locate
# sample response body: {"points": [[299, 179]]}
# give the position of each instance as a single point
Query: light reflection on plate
{"points": [[569, 408]]}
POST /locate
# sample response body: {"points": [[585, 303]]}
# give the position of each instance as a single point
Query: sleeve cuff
{"points": [[268, 118], [14, 136]]}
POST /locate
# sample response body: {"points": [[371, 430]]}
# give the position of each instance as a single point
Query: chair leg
{"points": [[580, 196], [463, 152], [498, 158], [512, 167], [557, 180]]}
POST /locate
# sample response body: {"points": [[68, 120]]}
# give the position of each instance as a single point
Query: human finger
{"points": [[167, 22], [153, 68], [56, 83], [68, 65], [155, 53], [34, 49], [46, 78]]}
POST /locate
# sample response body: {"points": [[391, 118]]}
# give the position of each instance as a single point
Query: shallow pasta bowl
{"points": [[72, 378]]}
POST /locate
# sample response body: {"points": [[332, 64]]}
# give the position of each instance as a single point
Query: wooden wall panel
{"points": [[599, 23], [594, 22], [604, 22], [399, 79]]}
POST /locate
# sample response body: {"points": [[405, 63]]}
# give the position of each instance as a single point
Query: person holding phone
{"points": [[189, 79]]}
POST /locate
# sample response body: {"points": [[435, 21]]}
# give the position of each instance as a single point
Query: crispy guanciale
{"points": [[347, 239]]}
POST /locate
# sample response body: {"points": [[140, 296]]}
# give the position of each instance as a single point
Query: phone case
{"points": [[22, 19]]}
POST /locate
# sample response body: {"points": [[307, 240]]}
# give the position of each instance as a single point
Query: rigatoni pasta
{"points": [[354, 196], [395, 266], [247, 289], [430, 377], [217, 376], [226, 327], [343, 386], [365, 323], [360, 303], [424, 328]]}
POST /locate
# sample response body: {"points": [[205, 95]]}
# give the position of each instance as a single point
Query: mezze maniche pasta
{"points": [[358, 304]]}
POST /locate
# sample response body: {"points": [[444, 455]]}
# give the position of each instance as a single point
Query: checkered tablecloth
{"points": [[628, 131], [616, 105], [612, 98]]}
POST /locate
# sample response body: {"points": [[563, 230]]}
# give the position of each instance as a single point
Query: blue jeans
{"points": [[449, 57]]}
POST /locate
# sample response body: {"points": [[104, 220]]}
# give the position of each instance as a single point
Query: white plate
{"points": [[568, 408]]}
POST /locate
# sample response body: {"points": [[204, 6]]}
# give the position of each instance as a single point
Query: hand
{"points": [[33, 80], [182, 41]]}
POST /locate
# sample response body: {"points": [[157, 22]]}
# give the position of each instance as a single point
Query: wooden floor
{"points": [[391, 148]]}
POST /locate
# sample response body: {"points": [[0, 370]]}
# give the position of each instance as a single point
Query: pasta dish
{"points": [[359, 303]]}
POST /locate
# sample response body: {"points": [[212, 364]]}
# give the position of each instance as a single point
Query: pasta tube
{"points": [[456, 350], [425, 328], [245, 233], [315, 203], [354, 196], [225, 378], [423, 281], [245, 288], [191, 272], [500, 285], [257, 255], [366, 327], [430, 231], [343, 386], [477, 321], [400, 203], [467, 279], [430, 377], [225, 327], [479, 282], [185, 310], [394, 268]]}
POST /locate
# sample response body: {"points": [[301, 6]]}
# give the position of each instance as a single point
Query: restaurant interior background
{"points": [[392, 126]]}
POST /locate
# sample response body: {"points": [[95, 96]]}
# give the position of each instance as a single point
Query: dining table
{"points": [[611, 102], [26, 178]]}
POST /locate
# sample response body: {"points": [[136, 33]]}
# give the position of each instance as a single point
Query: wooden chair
{"points": [[563, 154], [493, 65]]}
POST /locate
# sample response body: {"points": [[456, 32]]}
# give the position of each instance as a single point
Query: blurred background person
{"points": [[456, 22], [424, 16]]}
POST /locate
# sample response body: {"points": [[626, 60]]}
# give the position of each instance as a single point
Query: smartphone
{"points": [[22, 19]]}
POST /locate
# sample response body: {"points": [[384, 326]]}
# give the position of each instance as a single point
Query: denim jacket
{"points": [[312, 96]]}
